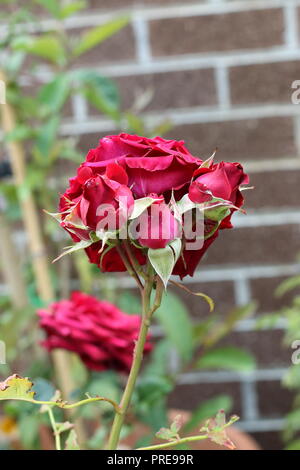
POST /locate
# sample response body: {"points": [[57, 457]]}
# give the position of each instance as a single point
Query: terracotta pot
{"points": [[242, 440]]}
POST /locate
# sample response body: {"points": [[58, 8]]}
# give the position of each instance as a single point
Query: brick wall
{"points": [[221, 71]]}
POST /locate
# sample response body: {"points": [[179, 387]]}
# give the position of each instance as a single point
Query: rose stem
{"points": [[130, 269], [147, 312], [134, 262]]}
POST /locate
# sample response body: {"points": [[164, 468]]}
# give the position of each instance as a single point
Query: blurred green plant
{"points": [[289, 318]]}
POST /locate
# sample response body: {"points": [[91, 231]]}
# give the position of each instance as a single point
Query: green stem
{"points": [[55, 433], [137, 358], [69, 406], [134, 262], [130, 269], [167, 445]]}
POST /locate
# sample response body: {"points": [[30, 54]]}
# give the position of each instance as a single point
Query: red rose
{"points": [[221, 180], [91, 198], [158, 225], [144, 165], [153, 165], [101, 334], [111, 261], [136, 167]]}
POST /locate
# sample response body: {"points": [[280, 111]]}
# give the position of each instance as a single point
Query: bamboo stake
{"points": [[10, 266], [36, 247]]}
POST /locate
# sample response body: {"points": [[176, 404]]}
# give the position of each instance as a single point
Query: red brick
{"points": [[255, 245], [189, 397], [221, 292], [89, 141], [281, 402], [225, 32], [263, 83], [240, 140], [105, 4], [269, 440], [170, 89], [265, 345], [263, 292], [119, 47], [274, 189]]}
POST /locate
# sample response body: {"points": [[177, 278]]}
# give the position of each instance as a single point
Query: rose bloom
{"points": [[87, 191], [158, 225], [145, 167], [101, 334], [155, 166]]}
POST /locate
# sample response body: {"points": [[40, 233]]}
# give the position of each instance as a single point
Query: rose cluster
{"points": [[129, 177], [101, 334]]}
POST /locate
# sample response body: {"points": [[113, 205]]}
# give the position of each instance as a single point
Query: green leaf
{"points": [[72, 442], [287, 285], [207, 409], [176, 425], [162, 128], [20, 132], [128, 303], [72, 8], [45, 139], [229, 357], [292, 422], [185, 204], [44, 390], [217, 213], [215, 429], [100, 91], [51, 5], [48, 47], [227, 323], [163, 262], [14, 62], [207, 163], [268, 321], [29, 429], [166, 434], [103, 94], [107, 386], [158, 361], [16, 388], [151, 389], [134, 123], [54, 94], [71, 249], [174, 318], [59, 11], [291, 379], [140, 205], [99, 34], [176, 246], [63, 427], [294, 445]]}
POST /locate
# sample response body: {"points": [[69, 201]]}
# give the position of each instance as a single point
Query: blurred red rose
{"points": [[101, 334]]}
